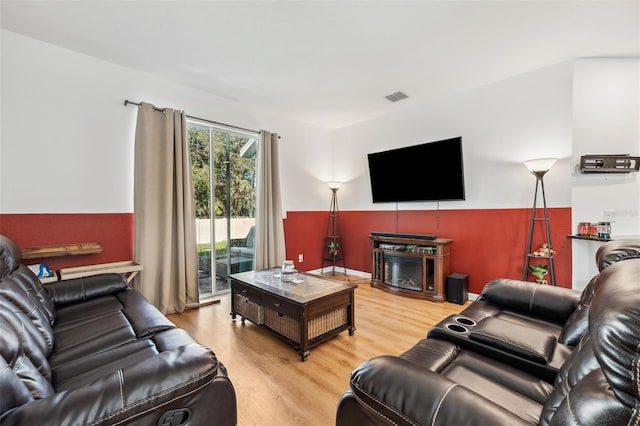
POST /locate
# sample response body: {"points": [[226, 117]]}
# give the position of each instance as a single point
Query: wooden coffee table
{"points": [[304, 313]]}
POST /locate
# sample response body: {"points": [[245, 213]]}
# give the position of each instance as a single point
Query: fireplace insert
{"points": [[403, 272]]}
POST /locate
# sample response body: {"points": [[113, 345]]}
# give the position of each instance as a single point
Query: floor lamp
{"points": [[539, 167], [333, 251]]}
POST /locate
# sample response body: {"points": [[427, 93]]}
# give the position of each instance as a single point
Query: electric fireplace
{"points": [[410, 265], [403, 272]]}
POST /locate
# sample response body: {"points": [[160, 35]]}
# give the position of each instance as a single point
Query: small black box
{"points": [[457, 288]]}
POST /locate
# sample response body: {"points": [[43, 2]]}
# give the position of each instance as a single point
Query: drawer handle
{"points": [[277, 305], [244, 290]]}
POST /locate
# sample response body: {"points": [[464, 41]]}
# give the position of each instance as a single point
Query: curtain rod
{"points": [[138, 104]]}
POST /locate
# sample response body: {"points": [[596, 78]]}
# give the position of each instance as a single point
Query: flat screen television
{"points": [[430, 171]]}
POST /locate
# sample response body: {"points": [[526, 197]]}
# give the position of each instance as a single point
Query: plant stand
{"points": [[528, 254]]}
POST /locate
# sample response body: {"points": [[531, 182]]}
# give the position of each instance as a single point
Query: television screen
{"points": [[427, 172]]}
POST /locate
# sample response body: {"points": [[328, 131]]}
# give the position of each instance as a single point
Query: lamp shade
{"points": [[334, 185], [539, 165]]}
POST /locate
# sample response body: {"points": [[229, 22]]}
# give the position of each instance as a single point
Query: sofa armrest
{"points": [[406, 394], [189, 377], [80, 289], [549, 302]]}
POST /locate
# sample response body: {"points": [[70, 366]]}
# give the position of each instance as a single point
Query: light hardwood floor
{"points": [[274, 387]]}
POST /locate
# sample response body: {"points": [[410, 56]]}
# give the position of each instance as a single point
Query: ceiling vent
{"points": [[395, 97]]}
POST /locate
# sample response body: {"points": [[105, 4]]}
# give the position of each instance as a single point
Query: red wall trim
{"points": [[113, 230], [488, 243]]}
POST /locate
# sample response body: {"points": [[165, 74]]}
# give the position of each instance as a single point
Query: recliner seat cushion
{"points": [[93, 336], [516, 339], [522, 393]]}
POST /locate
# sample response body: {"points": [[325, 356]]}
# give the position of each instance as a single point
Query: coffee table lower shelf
{"points": [[303, 324]]}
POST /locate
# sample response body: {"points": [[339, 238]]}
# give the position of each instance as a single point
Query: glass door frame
{"points": [[227, 131]]}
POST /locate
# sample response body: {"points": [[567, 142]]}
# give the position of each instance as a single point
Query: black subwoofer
{"points": [[457, 288]]}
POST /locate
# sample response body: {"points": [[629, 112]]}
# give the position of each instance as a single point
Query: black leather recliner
{"points": [[554, 310], [440, 382], [534, 327], [94, 351]]}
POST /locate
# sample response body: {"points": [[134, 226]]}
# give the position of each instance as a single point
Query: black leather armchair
{"points": [[94, 351]]}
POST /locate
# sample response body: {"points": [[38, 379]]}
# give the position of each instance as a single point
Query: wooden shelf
{"points": [[580, 237], [61, 250], [127, 267]]}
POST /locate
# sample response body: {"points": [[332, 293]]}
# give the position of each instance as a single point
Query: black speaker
{"points": [[457, 288]]}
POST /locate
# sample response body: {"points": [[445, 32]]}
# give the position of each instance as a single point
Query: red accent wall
{"points": [[487, 243], [113, 230]]}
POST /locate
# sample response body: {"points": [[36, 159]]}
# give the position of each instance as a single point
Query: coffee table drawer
{"points": [[246, 290], [282, 306]]}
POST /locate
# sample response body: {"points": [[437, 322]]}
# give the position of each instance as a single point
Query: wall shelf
{"points": [[128, 268], [40, 252], [581, 237]]}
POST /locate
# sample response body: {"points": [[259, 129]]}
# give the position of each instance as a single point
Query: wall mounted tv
{"points": [[430, 171]]}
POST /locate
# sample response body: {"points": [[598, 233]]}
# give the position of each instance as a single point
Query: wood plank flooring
{"points": [[274, 387]]}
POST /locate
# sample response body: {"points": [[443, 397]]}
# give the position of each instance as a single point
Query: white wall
{"points": [[502, 124], [67, 139], [606, 120]]}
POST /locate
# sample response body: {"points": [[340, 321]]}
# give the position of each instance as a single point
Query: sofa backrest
{"points": [[598, 384], [23, 358], [608, 254], [614, 251], [20, 286], [27, 339], [11, 267]]}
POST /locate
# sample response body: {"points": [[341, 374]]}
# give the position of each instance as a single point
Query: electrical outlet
{"points": [[300, 258], [609, 215]]}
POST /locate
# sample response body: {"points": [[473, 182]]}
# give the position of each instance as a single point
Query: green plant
{"points": [[539, 270], [333, 248]]}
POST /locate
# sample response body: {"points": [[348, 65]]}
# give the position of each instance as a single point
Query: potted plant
{"points": [[539, 271], [333, 249]]}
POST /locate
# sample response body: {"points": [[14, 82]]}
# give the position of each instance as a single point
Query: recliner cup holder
{"points": [[465, 321], [457, 328]]}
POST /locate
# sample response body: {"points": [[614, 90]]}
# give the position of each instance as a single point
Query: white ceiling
{"points": [[332, 63]]}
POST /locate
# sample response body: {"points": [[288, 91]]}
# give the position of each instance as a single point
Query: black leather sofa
{"points": [[516, 371], [94, 351]]}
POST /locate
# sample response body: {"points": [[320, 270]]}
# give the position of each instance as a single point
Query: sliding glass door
{"points": [[224, 170]]}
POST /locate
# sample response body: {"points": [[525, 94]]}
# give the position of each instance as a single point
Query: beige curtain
{"points": [[164, 212], [270, 249]]}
